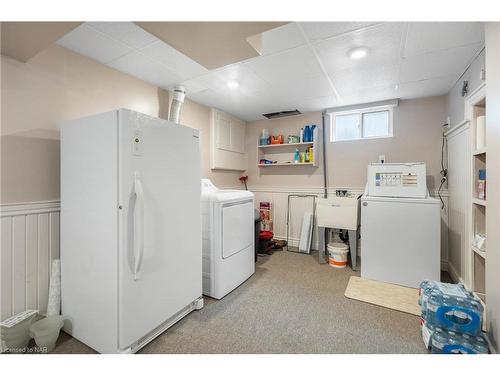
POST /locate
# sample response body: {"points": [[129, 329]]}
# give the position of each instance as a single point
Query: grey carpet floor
{"points": [[291, 305]]}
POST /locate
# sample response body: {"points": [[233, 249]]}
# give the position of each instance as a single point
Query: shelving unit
{"points": [[287, 145], [282, 154], [479, 202], [482, 254], [281, 164], [476, 262], [479, 152]]}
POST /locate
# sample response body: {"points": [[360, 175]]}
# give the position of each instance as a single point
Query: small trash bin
{"points": [[265, 238]]}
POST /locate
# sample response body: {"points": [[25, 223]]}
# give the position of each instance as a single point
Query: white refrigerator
{"points": [[130, 228]]}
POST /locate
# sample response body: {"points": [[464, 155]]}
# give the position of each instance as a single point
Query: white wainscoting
{"points": [[29, 241], [278, 197], [460, 191]]}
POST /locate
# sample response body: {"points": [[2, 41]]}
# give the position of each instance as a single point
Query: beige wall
{"points": [[417, 137], [58, 85]]}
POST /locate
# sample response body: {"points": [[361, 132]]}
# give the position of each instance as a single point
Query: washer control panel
{"points": [[397, 180]]}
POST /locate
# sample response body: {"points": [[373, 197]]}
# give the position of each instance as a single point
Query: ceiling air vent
{"points": [[281, 114]]}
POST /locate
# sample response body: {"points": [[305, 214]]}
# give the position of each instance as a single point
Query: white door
{"points": [[159, 192], [400, 241]]}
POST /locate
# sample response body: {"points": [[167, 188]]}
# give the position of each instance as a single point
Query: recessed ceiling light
{"points": [[233, 84], [357, 53]]}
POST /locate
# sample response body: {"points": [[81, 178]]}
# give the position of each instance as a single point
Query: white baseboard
{"points": [[455, 276], [444, 265]]}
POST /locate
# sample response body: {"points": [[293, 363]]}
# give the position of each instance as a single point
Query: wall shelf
{"points": [[479, 152], [287, 145], [480, 202], [282, 154], [280, 164], [479, 252]]}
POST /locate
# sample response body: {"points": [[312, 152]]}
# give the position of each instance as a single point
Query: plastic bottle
{"points": [[480, 345], [427, 332], [426, 288], [296, 156], [461, 317], [468, 342], [439, 339], [307, 133], [312, 132], [433, 304], [311, 155], [301, 135]]}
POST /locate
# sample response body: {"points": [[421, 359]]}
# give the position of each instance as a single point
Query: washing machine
{"points": [[400, 226], [228, 238]]}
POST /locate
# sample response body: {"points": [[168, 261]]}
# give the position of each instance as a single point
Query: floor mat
{"points": [[392, 296]]}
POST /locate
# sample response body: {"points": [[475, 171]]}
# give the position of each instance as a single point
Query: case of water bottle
{"points": [[451, 307], [442, 341], [452, 318]]}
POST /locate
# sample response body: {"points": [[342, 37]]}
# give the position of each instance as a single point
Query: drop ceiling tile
{"points": [[366, 77], [436, 64], [142, 67], [94, 44], [362, 96], [235, 103], [428, 87], [315, 104], [211, 81], [303, 88], [248, 81], [285, 66], [425, 37], [206, 97], [281, 38], [323, 30], [126, 32], [184, 67], [192, 86], [383, 42]]}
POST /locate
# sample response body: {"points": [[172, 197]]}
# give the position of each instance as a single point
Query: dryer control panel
{"points": [[397, 180]]}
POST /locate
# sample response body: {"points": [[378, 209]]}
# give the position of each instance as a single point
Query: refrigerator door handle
{"points": [[138, 224]]}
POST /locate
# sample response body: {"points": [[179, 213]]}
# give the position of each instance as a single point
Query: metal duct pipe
{"points": [[175, 106]]}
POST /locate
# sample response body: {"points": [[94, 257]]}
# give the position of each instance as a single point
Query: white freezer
{"points": [[401, 239], [130, 228]]}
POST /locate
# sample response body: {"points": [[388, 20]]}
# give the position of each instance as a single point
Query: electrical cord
{"points": [[444, 169]]}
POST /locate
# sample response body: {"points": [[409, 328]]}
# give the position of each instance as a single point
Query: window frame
{"points": [[360, 112]]}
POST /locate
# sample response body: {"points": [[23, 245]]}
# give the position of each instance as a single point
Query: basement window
{"points": [[362, 123]]}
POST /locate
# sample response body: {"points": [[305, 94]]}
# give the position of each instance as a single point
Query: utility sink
{"points": [[338, 212]]}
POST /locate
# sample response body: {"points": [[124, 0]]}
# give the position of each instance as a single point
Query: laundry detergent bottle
{"points": [[307, 133]]}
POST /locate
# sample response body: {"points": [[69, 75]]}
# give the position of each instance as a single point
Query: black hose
{"points": [[444, 169]]}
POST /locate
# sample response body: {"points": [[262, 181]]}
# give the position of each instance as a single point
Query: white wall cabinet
{"points": [[227, 146]]}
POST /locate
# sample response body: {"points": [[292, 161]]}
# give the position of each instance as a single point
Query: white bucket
{"points": [[337, 253]]}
